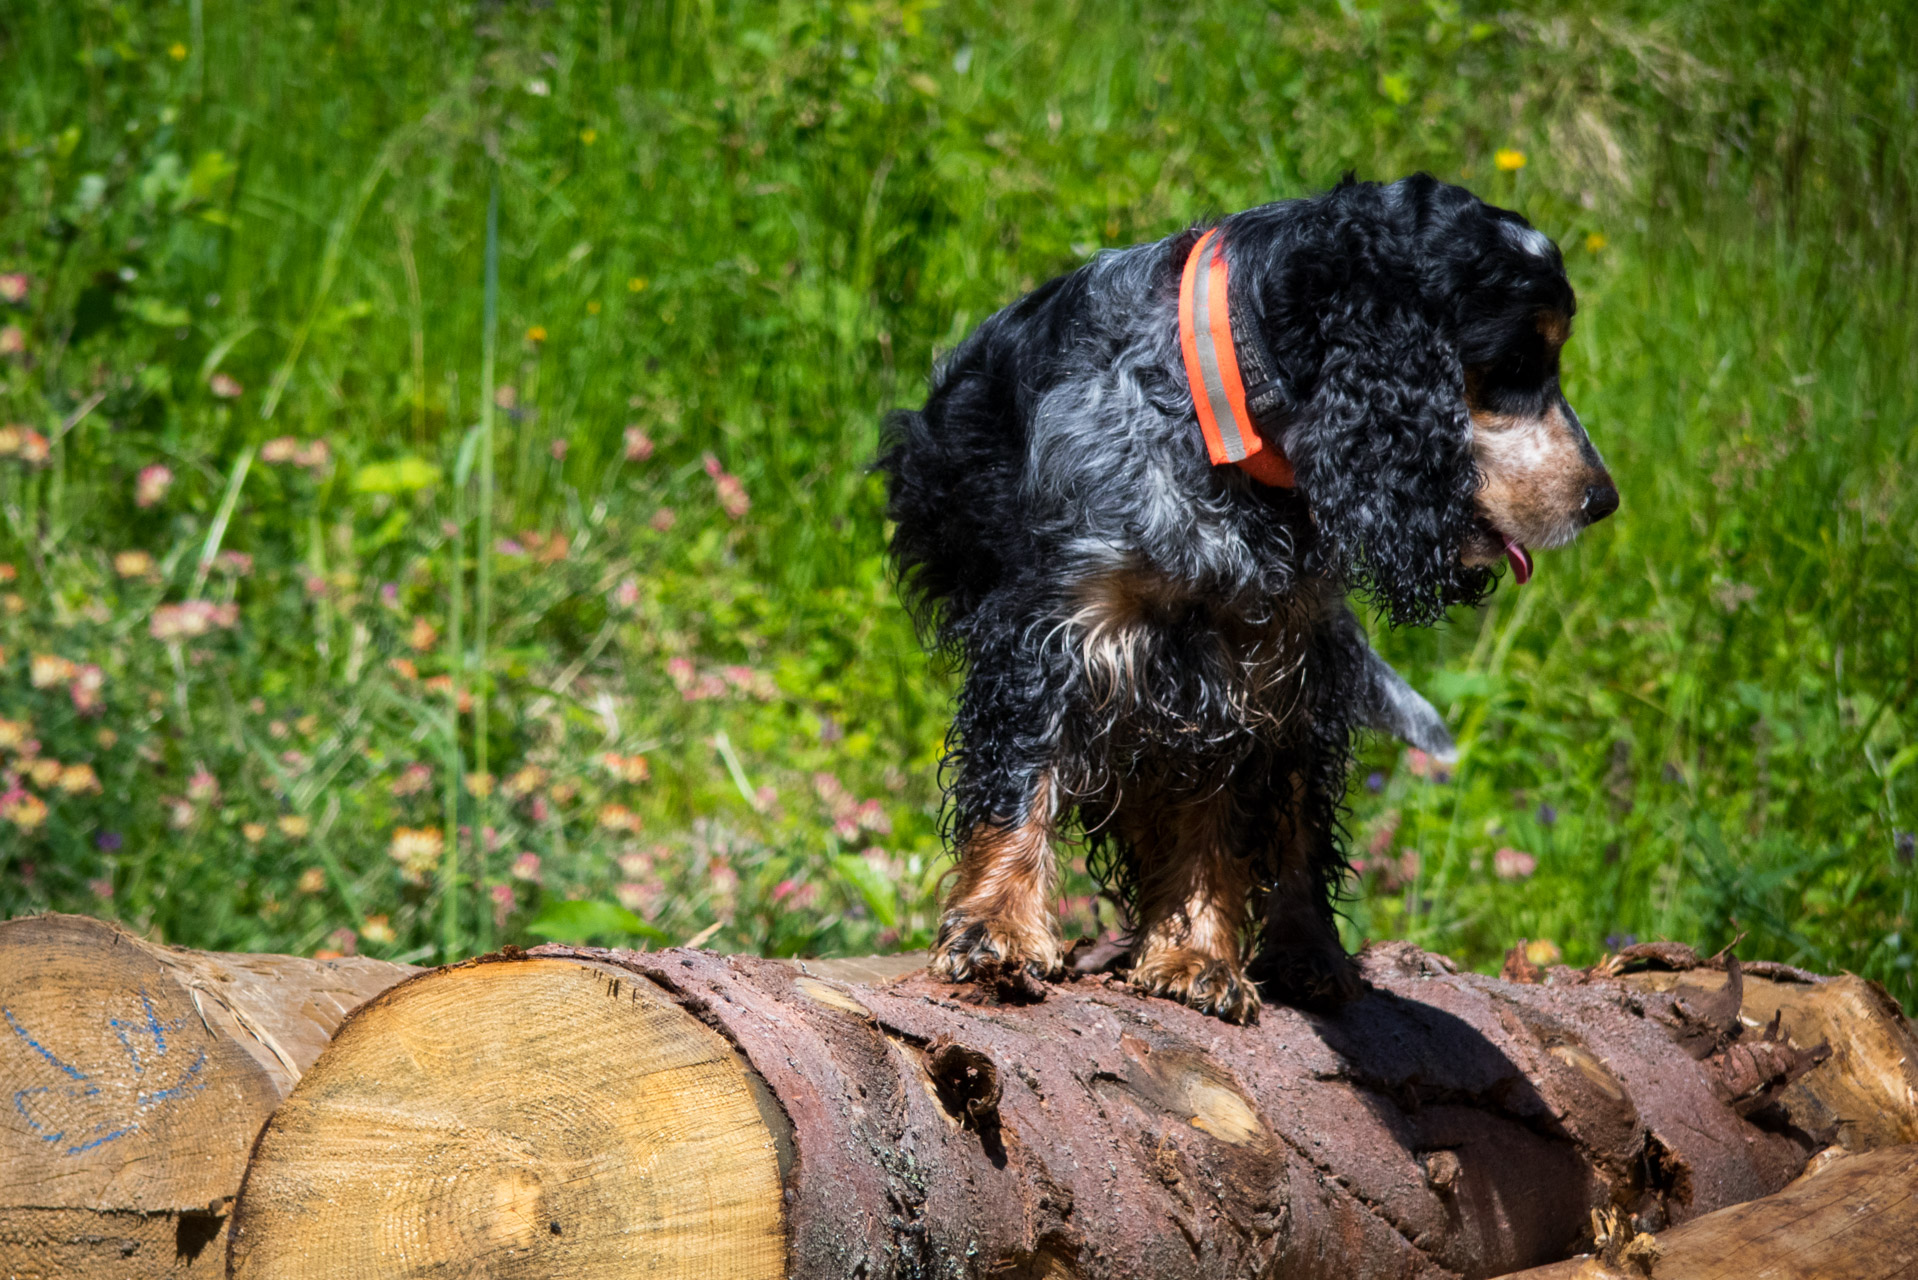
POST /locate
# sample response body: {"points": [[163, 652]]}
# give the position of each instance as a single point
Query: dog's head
{"points": [[1431, 440]]}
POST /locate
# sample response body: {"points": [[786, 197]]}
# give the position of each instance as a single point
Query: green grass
{"points": [[743, 231]]}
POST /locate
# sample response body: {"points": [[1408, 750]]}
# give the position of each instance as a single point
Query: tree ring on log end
{"points": [[539, 1117]]}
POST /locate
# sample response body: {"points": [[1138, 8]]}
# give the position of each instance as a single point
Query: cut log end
{"points": [[136, 1078], [549, 1117]]}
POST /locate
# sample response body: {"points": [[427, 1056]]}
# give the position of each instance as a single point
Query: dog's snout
{"points": [[1601, 500]]}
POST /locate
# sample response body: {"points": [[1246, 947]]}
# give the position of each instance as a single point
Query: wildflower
{"points": [[390, 594], [151, 485], [1543, 951], [1422, 765], [403, 668], [725, 881], [442, 685], [524, 782], [340, 944], [133, 564], [79, 779], [49, 669], [526, 867], [278, 450], [313, 455], [176, 51], [8, 573], [617, 817], [294, 826], [417, 849], [626, 768], [538, 810], [413, 779], [1513, 864], [253, 831], [871, 816], [1595, 241], [536, 333], [107, 739], [45, 772], [34, 448], [680, 672], [423, 635], [663, 519], [376, 929], [102, 888], [642, 898], [23, 809], [563, 792], [626, 594], [13, 287], [193, 618], [637, 864], [203, 787], [315, 585], [756, 684], [505, 397], [1547, 815], [503, 904], [180, 814], [13, 340], [639, 445], [108, 842], [589, 135], [10, 437], [794, 895], [1508, 159], [558, 449], [727, 487], [479, 784], [14, 733], [235, 564], [225, 386], [312, 880], [636, 285], [538, 88]]}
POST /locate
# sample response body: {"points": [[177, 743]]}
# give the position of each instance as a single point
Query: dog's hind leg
{"points": [[1194, 888], [998, 918]]}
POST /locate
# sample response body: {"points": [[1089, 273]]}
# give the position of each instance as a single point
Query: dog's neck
{"points": [[1234, 380]]}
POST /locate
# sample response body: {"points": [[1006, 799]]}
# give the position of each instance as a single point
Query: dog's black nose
{"points": [[1600, 500]]}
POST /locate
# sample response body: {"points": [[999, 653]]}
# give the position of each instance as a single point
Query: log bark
{"points": [[133, 1079], [575, 1112], [1853, 1216]]}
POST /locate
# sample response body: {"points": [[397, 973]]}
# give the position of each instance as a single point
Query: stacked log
{"points": [[575, 1112], [133, 1080]]}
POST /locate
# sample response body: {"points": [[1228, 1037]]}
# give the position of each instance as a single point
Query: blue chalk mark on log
{"points": [[31, 1103]]}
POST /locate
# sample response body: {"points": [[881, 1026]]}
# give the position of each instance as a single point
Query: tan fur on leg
{"points": [[999, 916], [1193, 892]]}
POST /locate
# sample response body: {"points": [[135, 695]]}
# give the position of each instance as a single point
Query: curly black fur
{"points": [[1059, 448]]}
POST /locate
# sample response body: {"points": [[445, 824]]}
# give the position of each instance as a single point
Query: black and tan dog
{"points": [[1133, 506]]}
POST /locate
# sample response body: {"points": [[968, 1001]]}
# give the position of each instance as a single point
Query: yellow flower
{"points": [[480, 784], [294, 827], [589, 136], [78, 778], [49, 669], [1594, 242], [45, 772], [417, 849], [592, 308], [1509, 159], [176, 51], [254, 832], [537, 333], [636, 285], [13, 733], [23, 809], [133, 564], [376, 929], [312, 880]]}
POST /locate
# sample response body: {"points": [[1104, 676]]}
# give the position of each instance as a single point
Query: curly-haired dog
{"points": [[1133, 505]]}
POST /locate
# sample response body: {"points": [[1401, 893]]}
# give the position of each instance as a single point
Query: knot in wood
{"points": [[967, 1083]]}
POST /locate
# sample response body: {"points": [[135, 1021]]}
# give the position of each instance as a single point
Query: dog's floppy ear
{"points": [[1383, 455]]}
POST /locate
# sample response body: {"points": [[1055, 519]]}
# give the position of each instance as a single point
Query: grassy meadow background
{"points": [[282, 672]]}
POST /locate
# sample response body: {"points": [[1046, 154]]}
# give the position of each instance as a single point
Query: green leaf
{"points": [[586, 920], [397, 475], [881, 898], [156, 312]]}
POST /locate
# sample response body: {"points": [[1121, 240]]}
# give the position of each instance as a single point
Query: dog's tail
{"points": [[940, 555]]}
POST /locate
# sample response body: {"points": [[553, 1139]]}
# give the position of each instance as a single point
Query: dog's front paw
{"points": [[1208, 984], [1319, 978], [981, 949]]}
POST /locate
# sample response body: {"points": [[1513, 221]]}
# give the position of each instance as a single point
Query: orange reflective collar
{"points": [[1212, 369]]}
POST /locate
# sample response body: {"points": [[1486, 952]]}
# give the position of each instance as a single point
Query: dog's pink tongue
{"points": [[1521, 562]]}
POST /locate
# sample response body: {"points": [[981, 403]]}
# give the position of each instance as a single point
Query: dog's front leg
{"points": [[1193, 893], [1300, 958], [998, 918]]}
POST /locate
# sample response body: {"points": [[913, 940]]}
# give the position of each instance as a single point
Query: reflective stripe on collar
{"points": [[1212, 369]]}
